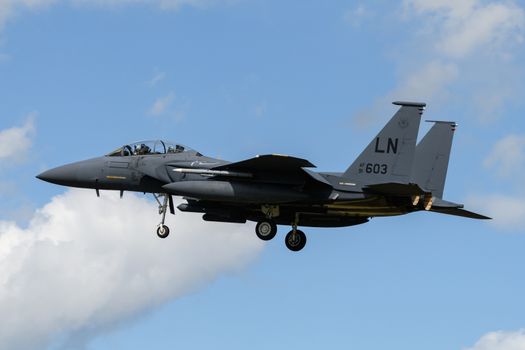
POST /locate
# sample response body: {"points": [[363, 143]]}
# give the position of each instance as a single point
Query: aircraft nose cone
{"points": [[64, 175]]}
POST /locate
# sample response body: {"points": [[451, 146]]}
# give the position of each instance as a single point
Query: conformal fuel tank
{"points": [[235, 191]]}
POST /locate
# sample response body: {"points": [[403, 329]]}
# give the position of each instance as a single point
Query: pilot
{"points": [[179, 148], [144, 149]]}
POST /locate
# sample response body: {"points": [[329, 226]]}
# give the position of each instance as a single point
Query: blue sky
{"points": [[233, 79]]}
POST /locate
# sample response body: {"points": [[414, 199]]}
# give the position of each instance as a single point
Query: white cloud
{"points": [[9, 8], [84, 264], [162, 4], [507, 159], [454, 8], [170, 107], [426, 83], [356, 15], [158, 77], [463, 50], [161, 104], [16, 141], [508, 156], [463, 27], [501, 340], [175, 4], [507, 211]]}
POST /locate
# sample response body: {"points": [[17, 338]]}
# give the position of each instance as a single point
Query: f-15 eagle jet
{"points": [[392, 176]]}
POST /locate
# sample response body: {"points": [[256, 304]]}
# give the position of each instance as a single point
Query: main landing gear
{"points": [[295, 240], [266, 230], [163, 231]]}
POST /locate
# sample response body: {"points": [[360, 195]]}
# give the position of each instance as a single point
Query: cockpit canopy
{"points": [[151, 147]]}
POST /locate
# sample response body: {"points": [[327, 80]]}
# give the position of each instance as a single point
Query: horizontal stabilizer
{"points": [[460, 212]]}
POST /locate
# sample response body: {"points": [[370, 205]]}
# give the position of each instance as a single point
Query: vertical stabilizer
{"points": [[390, 155], [432, 156]]}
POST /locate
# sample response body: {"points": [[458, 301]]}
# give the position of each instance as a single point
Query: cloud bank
{"points": [[161, 104], [501, 340], [84, 264], [507, 161], [463, 27], [460, 52], [9, 8], [507, 157], [16, 141], [473, 44]]}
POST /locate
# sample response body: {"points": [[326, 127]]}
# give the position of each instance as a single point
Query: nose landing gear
{"points": [[163, 231]]}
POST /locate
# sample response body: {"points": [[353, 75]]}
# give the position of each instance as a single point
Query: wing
{"points": [[271, 168], [268, 163], [275, 164], [276, 168]]}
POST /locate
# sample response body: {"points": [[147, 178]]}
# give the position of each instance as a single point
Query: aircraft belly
{"points": [[324, 221], [367, 212], [371, 206]]}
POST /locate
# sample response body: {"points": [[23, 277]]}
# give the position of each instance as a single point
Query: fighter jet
{"points": [[392, 176]]}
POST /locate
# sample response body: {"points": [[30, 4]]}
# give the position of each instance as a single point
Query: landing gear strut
{"points": [[163, 231], [267, 229]]}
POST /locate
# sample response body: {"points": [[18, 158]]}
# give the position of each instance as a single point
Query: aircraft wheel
{"points": [[295, 241], [163, 231], [266, 230]]}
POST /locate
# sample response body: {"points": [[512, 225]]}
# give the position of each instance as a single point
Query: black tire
{"points": [[266, 230], [295, 242], [163, 231]]}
